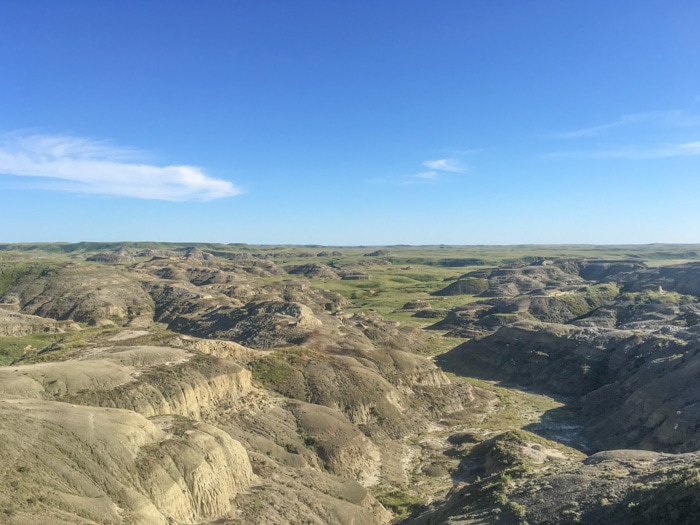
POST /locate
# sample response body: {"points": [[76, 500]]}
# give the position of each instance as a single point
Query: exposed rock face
{"points": [[416, 305], [683, 278], [549, 356], [181, 470], [466, 286], [609, 271], [481, 317], [537, 277], [552, 485], [313, 270], [654, 407], [120, 257], [84, 293], [131, 468], [218, 348], [271, 400], [180, 473], [352, 387], [258, 325], [193, 389], [639, 391], [50, 380], [230, 308], [635, 276], [380, 390], [15, 324], [151, 381], [631, 358], [628, 354], [344, 450]]}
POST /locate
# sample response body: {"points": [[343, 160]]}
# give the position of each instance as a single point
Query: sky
{"points": [[350, 122]]}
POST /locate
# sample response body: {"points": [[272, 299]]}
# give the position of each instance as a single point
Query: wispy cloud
{"points": [[670, 118], [438, 169], [83, 165], [449, 165], [636, 153], [689, 148]]}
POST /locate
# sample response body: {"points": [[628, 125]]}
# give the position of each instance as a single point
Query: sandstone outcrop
{"points": [[115, 466]]}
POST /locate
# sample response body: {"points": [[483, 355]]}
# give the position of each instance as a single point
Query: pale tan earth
{"points": [[178, 386]]}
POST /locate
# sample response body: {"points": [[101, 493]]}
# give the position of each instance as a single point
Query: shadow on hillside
{"points": [[563, 425]]}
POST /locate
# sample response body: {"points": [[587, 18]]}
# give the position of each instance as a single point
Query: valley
{"points": [[232, 384]]}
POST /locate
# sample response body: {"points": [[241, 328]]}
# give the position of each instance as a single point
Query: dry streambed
{"points": [[438, 460]]}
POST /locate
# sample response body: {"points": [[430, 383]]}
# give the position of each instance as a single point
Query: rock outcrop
{"points": [[15, 324], [91, 294], [213, 384], [115, 466], [528, 479]]}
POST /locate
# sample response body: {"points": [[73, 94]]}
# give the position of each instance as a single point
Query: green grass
{"points": [[660, 297], [13, 270], [398, 501], [272, 371], [42, 347], [589, 298], [390, 287], [12, 348], [276, 369], [515, 409]]}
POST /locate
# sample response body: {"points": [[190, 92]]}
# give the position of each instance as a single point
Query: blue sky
{"points": [[350, 122]]}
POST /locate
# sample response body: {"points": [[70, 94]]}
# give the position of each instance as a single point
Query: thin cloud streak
{"points": [[635, 153], [439, 171], [670, 118], [83, 165], [449, 165]]}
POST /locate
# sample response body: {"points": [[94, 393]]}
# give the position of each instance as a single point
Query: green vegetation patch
{"points": [[400, 502], [12, 271], [281, 370], [656, 297], [589, 298], [42, 347], [12, 348], [466, 286], [516, 408]]}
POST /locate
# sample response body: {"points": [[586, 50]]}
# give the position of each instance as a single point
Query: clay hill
{"points": [[227, 384]]}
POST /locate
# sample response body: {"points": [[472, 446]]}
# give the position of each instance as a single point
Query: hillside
{"points": [[166, 383]]}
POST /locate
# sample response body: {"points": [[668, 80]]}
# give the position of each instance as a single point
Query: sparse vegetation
{"points": [[672, 499], [400, 502], [342, 390]]}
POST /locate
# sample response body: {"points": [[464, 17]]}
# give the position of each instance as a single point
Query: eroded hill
{"points": [[170, 384]]}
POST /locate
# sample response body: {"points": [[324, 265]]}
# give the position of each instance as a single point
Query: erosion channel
{"points": [[233, 384]]}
